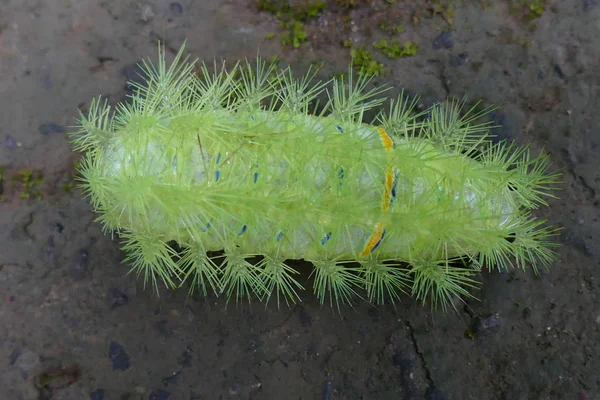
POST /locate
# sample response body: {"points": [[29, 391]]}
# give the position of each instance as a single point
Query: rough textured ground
{"points": [[73, 326]]}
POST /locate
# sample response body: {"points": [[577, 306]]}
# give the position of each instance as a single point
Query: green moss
{"points": [[348, 3], [536, 9], [445, 8], [270, 35], [393, 49], [365, 63], [527, 9], [391, 29], [294, 34], [284, 10], [291, 18], [268, 6], [30, 182], [469, 334]]}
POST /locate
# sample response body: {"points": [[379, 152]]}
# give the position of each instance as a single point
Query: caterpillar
{"points": [[244, 170]]}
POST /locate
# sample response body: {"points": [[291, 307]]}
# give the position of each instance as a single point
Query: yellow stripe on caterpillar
{"points": [[386, 139], [388, 191], [374, 240]]}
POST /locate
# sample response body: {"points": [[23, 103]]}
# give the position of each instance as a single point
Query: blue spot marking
{"points": [[205, 228], [325, 238], [279, 236], [341, 173], [255, 177], [252, 118], [339, 128], [379, 241], [394, 186], [218, 158], [240, 233], [217, 174]]}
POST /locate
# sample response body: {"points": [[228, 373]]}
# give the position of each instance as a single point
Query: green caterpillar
{"points": [[240, 162]]}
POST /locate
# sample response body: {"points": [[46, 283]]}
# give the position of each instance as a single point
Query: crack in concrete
{"points": [[441, 75], [444, 80], [27, 225], [22, 229], [415, 345]]}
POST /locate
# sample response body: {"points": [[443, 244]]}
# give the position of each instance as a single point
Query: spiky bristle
{"points": [[240, 160]]}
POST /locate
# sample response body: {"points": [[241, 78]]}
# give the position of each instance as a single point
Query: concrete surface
{"points": [[73, 325]]}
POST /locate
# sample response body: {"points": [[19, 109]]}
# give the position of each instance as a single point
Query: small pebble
{"points": [[559, 71], [589, 5], [435, 395], [97, 394], [28, 361], [460, 60], [159, 394], [47, 129], [118, 356], [14, 356], [443, 41], [146, 12], [488, 324], [176, 7], [79, 270], [133, 74], [235, 388], [540, 74], [10, 142], [327, 390], [116, 298]]}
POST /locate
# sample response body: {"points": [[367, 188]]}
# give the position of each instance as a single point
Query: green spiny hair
{"points": [[244, 161]]}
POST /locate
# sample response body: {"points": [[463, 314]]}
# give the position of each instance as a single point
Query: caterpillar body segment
{"points": [[236, 161]]}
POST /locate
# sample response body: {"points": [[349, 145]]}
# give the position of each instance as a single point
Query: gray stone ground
{"points": [[67, 303]]}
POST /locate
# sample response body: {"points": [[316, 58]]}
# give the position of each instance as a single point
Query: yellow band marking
{"points": [[373, 240], [379, 231], [386, 139], [387, 192]]}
